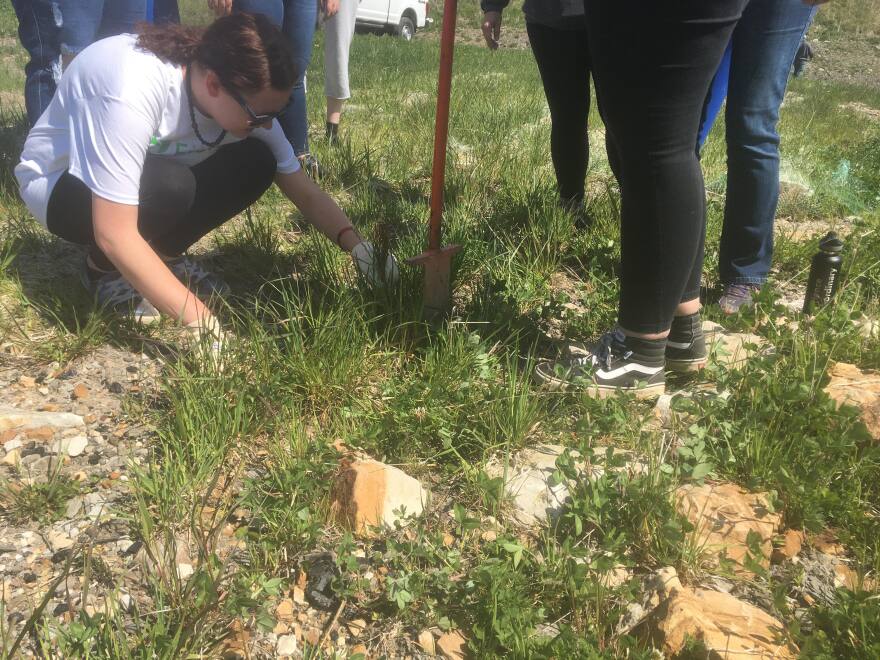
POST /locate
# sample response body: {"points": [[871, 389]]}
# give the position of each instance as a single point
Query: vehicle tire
{"points": [[406, 29]]}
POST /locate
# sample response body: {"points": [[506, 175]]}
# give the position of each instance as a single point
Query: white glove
{"points": [[364, 256], [208, 335]]}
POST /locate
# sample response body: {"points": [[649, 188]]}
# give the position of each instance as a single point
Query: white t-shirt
{"points": [[114, 104]]}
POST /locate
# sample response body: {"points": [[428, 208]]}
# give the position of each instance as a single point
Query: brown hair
{"points": [[246, 51]]}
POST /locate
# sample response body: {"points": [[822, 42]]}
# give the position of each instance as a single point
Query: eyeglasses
{"points": [[255, 119]]}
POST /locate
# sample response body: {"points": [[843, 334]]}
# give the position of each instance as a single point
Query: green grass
{"points": [[319, 359]]}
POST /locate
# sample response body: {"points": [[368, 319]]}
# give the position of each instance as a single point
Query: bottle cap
{"points": [[831, 243]]}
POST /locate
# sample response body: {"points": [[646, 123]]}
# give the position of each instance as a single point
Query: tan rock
{"points": [[452, 645], [849, 578], [615, 577], [427, 643], [790, 546], [284, 610], [369, 494], [731, 349], [40, 433], [356, 627], [850, 385], [312, 637], [80, 391], [728, 628], [299, 595], [723, 516], [358, 650], [27, 381], [827, 542]]}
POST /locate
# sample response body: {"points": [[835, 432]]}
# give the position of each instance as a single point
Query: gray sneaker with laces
{"points": [[112, 291], [736, 296]]}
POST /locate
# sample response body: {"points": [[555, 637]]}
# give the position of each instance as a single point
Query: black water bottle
{"points": [[824, 273]]}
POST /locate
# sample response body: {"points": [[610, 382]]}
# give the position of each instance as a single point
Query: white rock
{"points": [[15, 443], [12, 418], [286, 645], [72, 447], [536, 501], [12, 458], [184, 571]]}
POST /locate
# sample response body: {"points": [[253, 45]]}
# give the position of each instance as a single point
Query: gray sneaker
{"points": [[202, 282], [113, 291], [736, 296]]}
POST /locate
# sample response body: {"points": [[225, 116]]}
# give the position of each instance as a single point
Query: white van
{"points": [[402, 17]]}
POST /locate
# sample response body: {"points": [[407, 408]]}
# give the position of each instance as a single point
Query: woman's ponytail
{"points": [[246, 51]]}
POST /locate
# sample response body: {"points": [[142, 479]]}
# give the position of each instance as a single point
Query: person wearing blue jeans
{"points": [[756, 69], [38, 29], [85, 21], [297, 20]]}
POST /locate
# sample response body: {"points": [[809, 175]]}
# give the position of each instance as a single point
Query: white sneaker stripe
{"points": [[625, 369], [678, 344]]}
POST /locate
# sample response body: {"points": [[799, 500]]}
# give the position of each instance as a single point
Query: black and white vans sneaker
{"points": [[686, 344], [617, 363]]}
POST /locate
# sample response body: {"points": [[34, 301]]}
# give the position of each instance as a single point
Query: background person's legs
{"points": [[85, 21], [764, 46], [38, 30], [653, 65], [563, 60], [121, 16], [338, 33], [297, 19], [300, 17]]}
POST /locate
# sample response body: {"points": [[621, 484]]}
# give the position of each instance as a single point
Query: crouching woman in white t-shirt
{"points": [[152, 141]]}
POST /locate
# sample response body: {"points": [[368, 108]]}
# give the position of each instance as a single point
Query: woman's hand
{"points": [[492, 28], [220, 7], [324, 215], [329, 8]]}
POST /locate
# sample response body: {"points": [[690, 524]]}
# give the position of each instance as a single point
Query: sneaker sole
{"points": [[686, 366], [597, 391]]}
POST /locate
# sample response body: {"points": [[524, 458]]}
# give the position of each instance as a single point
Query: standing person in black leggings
{"points": [[653, 63], [558, 38], [153, 140]]}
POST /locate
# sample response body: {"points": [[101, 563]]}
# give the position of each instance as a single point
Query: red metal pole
{"points": [[441, 127]]}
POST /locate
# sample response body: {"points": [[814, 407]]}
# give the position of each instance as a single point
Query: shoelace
{"points": [[191, 271], [117, 291], [609, 344]]}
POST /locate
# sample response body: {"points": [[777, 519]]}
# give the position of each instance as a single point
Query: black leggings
{"points": [[652, 65], [178, 204], [563, 59]]}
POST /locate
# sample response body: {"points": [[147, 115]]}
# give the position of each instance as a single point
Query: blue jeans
{"points": [[38, 27], [86, 21], [762, 51], [297, 19]]}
